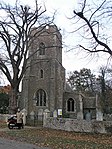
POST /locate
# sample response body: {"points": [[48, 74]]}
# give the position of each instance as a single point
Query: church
{"points": [[44, 84]]}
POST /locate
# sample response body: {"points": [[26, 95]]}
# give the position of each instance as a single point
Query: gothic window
{"points": [[41, 98], [41, 49], [70, 105], [41, 73]]}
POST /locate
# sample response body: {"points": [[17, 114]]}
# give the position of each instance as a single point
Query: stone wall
{"points": [[78, 125], [4, 117], [107, 117]]}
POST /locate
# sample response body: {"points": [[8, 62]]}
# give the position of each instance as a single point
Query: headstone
{"points": [[55, 114], [80, 115], [88, 116], [99, 116]]}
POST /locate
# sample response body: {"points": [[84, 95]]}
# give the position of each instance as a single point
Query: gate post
{"points": [[24, 111]]}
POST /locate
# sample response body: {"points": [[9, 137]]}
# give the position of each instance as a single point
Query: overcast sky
{"points": [[71, 60]]}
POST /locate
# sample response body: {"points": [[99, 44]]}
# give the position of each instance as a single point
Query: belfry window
{"points": [[41, 49], [40, 98], [70, 105]]}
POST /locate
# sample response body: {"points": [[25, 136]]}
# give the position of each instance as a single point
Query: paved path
{"points": [[7, 129], [12, 144]]}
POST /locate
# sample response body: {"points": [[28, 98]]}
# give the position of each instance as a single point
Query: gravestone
{"points": [[55, 114], [99, 116], [88, 116], [80, 115]]}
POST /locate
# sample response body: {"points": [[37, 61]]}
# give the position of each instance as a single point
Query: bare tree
{"points": [[16, 25], [93, 19], [105, 87]]}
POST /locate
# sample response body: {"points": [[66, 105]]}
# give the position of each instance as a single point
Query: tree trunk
{"points": [[13, 101]]}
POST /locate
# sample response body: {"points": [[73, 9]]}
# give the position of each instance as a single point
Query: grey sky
{"points": [[71, 60]]}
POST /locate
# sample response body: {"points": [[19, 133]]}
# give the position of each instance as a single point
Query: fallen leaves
{"points": [[58, 139]]}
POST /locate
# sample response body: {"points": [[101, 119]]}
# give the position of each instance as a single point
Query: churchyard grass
{"points": [[57, 139], [3, 124]]}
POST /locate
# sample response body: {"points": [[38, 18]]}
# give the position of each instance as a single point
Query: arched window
{"points": [[41, 49], [41, 73], [70, 105], [40, 98]]}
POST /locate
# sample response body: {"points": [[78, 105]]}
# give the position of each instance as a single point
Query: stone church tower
{"points": [[44, 80]]}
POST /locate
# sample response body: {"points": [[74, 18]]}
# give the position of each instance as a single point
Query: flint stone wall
{"points": [[4, 117], [108, 117], [78, 125]]}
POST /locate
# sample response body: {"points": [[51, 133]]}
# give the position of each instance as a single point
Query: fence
{"points": [[34, 120]]}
